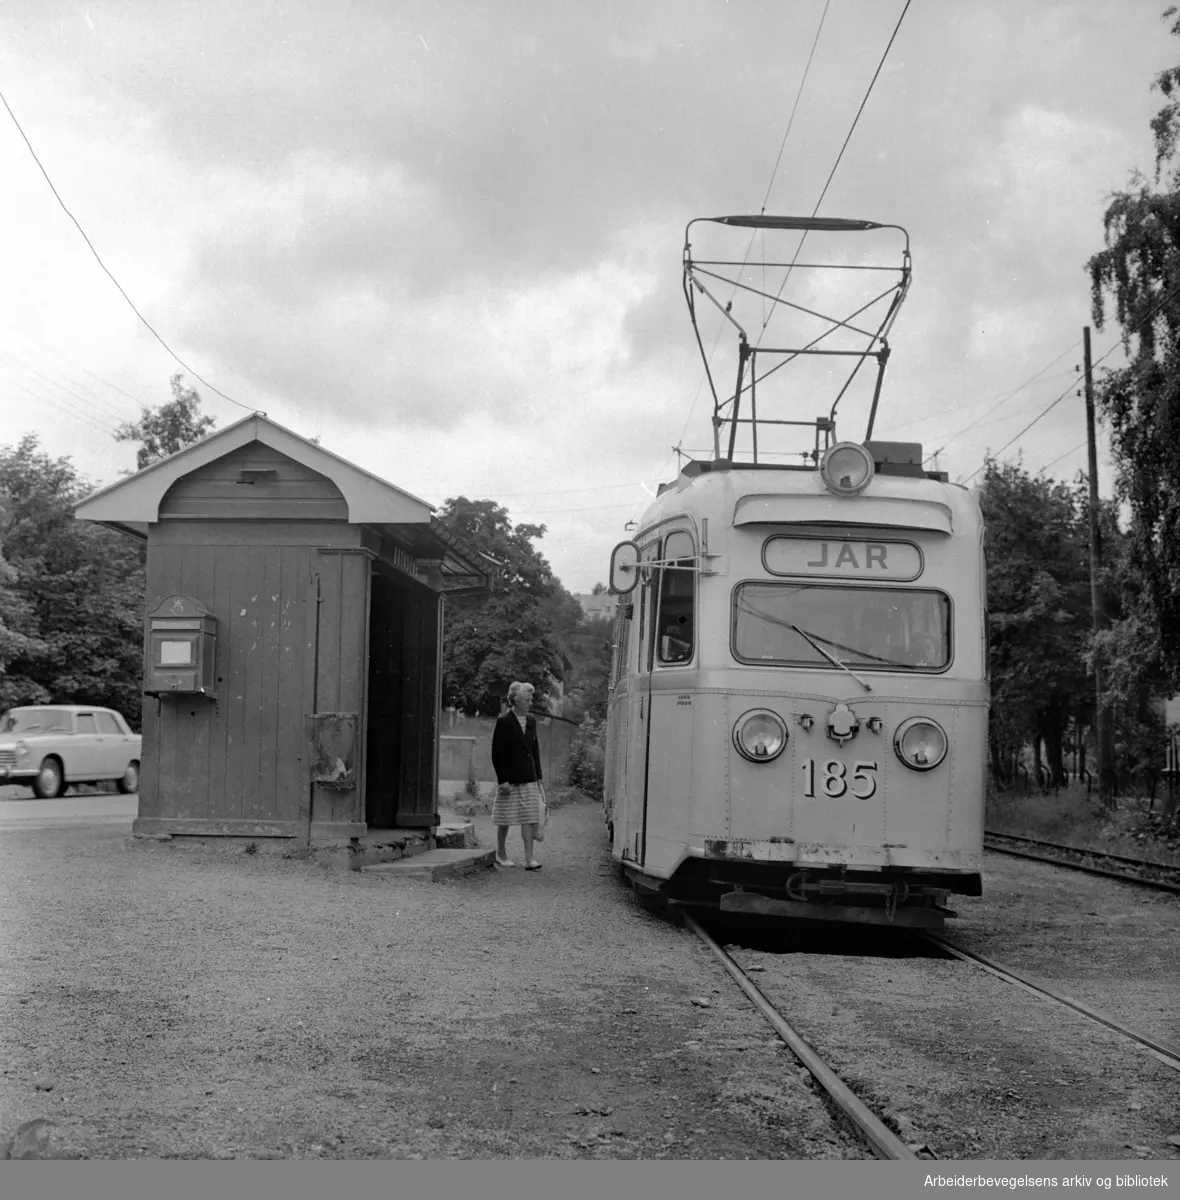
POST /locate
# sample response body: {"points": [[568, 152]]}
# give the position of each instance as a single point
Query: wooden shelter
{"points": [[293, 639]]}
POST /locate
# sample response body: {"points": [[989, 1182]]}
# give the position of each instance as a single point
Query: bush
{"points": [[587, 765]]}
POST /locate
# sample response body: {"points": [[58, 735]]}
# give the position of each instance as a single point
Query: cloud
{"points": [[446, 235]]}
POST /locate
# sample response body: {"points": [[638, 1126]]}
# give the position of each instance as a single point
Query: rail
{"points": [[995, 841], [881, 1139]]}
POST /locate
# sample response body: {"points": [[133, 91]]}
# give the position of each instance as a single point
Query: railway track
{"points": [[1140, 871], [881, 1140]]}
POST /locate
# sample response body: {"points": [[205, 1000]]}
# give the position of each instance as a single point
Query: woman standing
{"points": [[516, 757]]}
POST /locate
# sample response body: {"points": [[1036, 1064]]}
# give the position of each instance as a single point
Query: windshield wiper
{"points": [[831, 657]]}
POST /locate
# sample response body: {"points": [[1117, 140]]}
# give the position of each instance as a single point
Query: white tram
{"points": [[798, 714], [799, 697]]}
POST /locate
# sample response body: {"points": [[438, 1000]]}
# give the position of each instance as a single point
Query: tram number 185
{"points": [[835, 780]]}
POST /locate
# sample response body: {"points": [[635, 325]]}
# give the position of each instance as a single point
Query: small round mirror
{"points": [[624, 564]]}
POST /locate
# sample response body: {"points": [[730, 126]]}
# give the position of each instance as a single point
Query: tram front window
{"points": [[894, 629]]}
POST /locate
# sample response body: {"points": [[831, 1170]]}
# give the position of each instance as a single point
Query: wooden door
{"points": [[386, 670]]}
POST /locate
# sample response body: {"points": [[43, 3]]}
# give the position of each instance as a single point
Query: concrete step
{"points": [[435, 864], [377, 846], [455, 835]]}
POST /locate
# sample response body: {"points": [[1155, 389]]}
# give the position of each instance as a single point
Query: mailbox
{"points": [[181, 648]]}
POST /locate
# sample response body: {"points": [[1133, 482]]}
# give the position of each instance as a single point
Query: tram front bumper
{"points": [[787, 851]]}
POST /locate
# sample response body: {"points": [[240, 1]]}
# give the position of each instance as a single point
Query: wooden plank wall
{"points": [[216, 491], [243, 758], [342, 667]]}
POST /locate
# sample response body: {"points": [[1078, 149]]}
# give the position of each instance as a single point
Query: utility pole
{"points": [[1105, 743]]}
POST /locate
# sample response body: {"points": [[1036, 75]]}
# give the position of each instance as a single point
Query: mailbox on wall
{"points": [[180, 648]]}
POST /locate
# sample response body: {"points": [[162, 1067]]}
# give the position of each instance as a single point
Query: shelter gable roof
{"points": [[133, 503]]}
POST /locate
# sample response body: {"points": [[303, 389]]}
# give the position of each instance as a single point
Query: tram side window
{"points": [[646, 607], [677, 600], [622, 644]]}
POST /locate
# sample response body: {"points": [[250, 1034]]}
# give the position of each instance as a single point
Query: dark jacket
{"points": [[516, 756]]}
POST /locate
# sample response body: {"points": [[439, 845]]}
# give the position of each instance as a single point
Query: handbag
{"points": [[539, 833]]}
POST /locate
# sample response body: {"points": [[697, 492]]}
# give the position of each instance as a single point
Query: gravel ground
{"points": [[158, 1000], [976, 1068], [163, 1001]]}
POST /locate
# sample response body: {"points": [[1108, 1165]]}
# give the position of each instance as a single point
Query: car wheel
{"points": [[50, 781], [129, 782]]}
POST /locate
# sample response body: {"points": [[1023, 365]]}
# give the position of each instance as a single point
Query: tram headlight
{"points": [[760, 735], [846, 468], [920, 743]]}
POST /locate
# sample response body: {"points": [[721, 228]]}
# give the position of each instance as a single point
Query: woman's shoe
{"points": [[504, 862], [533, 866]]}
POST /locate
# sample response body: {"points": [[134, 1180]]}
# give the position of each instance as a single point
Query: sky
{"points": [[445, 237]]}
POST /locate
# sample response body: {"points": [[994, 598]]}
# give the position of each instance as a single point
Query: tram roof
{"points": [[756, 494]]}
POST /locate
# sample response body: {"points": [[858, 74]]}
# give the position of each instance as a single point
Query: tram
{"points": [[797, 723]]}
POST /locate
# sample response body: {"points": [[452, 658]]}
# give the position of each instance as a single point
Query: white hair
{"points": [[518, 687]]}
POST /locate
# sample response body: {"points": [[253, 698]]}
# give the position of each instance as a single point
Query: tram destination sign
{"points": [[842, 558]]}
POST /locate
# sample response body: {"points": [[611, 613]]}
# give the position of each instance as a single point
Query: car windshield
{"points": [[891, 629], [36, 720]]}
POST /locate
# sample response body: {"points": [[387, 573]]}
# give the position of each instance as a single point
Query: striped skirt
{"points": [[522, 805]]}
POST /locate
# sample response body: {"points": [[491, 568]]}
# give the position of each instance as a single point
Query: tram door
{"points": [[638, 723], [618, 721], [668, 787]]}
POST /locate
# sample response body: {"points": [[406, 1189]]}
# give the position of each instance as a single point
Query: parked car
{"points": [[50, 746]]}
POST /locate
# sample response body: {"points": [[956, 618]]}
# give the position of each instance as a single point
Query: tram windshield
{"points": [[893, 629]]}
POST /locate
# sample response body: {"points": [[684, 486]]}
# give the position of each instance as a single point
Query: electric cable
{"points": [[110, 276]]}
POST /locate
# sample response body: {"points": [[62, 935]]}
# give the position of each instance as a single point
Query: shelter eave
{"points": [[136, 499], [457, 566], [135, 529]]}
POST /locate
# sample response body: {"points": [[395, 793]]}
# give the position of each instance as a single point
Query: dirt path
{"points": [[164, 1001], [158, 1001]]}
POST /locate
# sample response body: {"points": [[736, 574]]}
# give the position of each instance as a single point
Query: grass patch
{"points": [[1134, 827]]}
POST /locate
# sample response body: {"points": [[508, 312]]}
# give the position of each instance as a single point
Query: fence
{"points": [[465, 747]]}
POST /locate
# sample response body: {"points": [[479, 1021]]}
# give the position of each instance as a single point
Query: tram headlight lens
{"points": [[920, 743], [846, 468], [760, 735]]}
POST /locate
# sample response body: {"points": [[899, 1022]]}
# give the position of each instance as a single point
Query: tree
{"points": [[1134, 673], [18, 640], [1039, 613], [489, 641], [1140, 270], [76, 590], [169, 428], [585, 644]]}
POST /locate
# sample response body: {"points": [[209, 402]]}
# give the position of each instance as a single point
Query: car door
{"points": [[115, 746], [84, 752]]}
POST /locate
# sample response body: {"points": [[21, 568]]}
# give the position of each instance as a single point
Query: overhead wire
{"points": [[1004, 400], [61, 406], [765, 199], [1071, 450], [55, 350], [102, 407], [946, 412], [831, 173], [839, 157], [1150, 316], [147, 324]]}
